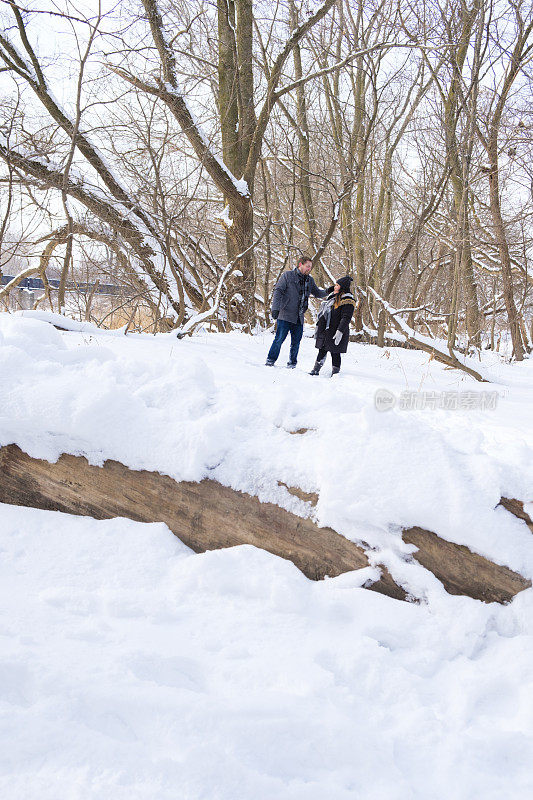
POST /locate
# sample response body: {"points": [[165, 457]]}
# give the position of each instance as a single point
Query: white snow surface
{"points": [[132, 668], [206, 406]]}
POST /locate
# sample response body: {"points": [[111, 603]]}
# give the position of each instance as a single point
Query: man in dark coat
{"points": [[289, 304], [333, 325]]}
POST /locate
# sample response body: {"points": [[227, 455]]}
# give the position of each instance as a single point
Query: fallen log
{"points": [[367, 337], [207, 516], [453, 564], [448, 359], [456, 567]]}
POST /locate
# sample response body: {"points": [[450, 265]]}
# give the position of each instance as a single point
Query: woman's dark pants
{"points": [[335, 357]]}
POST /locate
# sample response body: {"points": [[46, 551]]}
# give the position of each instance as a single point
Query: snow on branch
{"points": [[15, 62], [4, 290], [345, 191], [451, 359], [145, 246], [177, 103], [170, 92], [193, 322]]}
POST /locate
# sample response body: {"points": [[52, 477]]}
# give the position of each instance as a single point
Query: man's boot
{"points": [[318, 366]]}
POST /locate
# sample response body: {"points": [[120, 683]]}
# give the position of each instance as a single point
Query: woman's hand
{"points": [[337, 338]]}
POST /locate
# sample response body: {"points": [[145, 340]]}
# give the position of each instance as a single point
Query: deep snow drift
{"points": [[208, 406], [132, 668]]}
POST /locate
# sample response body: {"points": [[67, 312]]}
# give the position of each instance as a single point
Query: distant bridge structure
{"points": [[82, 287]]}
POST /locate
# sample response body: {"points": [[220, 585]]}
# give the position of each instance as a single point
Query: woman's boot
{"points": [[319, 363], [335, 371]]}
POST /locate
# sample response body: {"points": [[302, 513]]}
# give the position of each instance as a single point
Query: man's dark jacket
{"points": [[286, 297]]}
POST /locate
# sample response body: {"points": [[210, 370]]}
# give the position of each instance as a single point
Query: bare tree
{"points": [[516, 60]]}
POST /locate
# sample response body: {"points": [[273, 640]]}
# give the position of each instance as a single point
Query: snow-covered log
{"points": [[463, 572], [207, 516]]}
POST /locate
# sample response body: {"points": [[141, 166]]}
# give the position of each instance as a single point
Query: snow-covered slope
{"points": [[208, 406], [132, 668]]}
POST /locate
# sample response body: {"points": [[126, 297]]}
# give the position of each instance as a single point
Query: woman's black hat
{"points": [[344, 283]]}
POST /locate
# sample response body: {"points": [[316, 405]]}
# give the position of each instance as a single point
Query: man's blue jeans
{"points": [[283, 328]]}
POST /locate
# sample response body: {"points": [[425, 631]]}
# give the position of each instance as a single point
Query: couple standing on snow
{"points": [[289, 304]]}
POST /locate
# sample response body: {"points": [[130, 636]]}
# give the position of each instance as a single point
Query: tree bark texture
{"points": [[208, 516]]}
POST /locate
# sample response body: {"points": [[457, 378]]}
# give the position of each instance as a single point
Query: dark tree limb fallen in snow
{"points": [[207, 516], [516, 507], [450, 358]]}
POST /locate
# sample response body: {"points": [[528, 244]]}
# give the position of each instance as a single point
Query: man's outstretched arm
{"points": [[316, 292]]}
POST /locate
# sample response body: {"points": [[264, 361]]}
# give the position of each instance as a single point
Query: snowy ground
{"points": [[132, 668]]}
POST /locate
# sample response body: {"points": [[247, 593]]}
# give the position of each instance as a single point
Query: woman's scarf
{"points": [[326, 307]]}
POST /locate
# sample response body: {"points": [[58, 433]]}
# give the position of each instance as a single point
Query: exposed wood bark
{"points": [[205, 516], [456, 566], [307, 497], [516, 507], [208, 516]]}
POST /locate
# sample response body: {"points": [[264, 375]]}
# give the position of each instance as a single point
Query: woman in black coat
{"points": [[333, 325]]}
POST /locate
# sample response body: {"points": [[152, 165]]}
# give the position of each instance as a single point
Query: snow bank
{"points": [[206, 406], [66, 323], [132, 669]]}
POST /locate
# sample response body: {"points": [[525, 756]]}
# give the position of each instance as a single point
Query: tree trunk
{"points": [[304, 153], [505, 259], [459, 157]]}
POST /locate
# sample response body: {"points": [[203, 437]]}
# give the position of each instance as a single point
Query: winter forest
{"points": [[189, 152], [266, 429]]}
